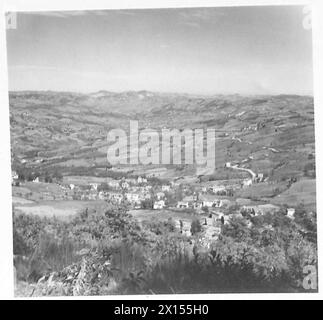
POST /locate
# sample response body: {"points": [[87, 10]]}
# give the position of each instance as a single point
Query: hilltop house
{"points": [[158, 205]]}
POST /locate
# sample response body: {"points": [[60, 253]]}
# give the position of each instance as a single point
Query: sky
{"points": [[244, 50]]}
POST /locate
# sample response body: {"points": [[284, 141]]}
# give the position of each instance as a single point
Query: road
{"points": [[253, 175]]}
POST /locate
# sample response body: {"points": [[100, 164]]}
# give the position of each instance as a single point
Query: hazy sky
{"points": [[256, 50]]}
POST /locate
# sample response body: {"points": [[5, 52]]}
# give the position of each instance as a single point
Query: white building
{"points": [[102, 195], [116, 197], [290, 213], [160, 195], [182, 204], [141, 180], [216, 188], [158, 205], [210, 201], [14, 175], [212, 204], [198, 205], [132, 197], [227, 165], [247, 182], [125, 185], [166, 188], [204, 189], [94, 186]]}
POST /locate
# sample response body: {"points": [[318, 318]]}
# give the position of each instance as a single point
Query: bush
{"points": [[108, 252]]}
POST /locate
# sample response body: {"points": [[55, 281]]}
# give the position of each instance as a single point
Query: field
{"points": [[58, 209], [301, 192]]}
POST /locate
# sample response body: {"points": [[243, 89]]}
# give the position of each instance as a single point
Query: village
{"points": [[213, 203]]}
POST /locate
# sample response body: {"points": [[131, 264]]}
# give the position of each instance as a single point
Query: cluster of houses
{"points": [[199, 201], [137, 190], [263, 209], [134, 191]]}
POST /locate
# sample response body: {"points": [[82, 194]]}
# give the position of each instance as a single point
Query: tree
{"points": [[147, 204], [196, 226], [205, 209]]}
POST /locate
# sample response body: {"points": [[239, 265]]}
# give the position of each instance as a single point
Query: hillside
{"points": [[69, 129]]}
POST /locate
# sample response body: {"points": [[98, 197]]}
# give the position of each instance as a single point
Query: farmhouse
{"points": [[251, 210], [198, 205], [259, 177], [246, 182], [102, 195], [210, 201], [290, 213], [227, 165], [182, 204], [158, 205], [160, 195], [217, 189]]}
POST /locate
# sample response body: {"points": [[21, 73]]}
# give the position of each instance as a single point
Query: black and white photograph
{"points": [[162, 151]]}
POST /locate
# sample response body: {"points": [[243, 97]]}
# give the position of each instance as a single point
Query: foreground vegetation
{"points": [[108, 252]]}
